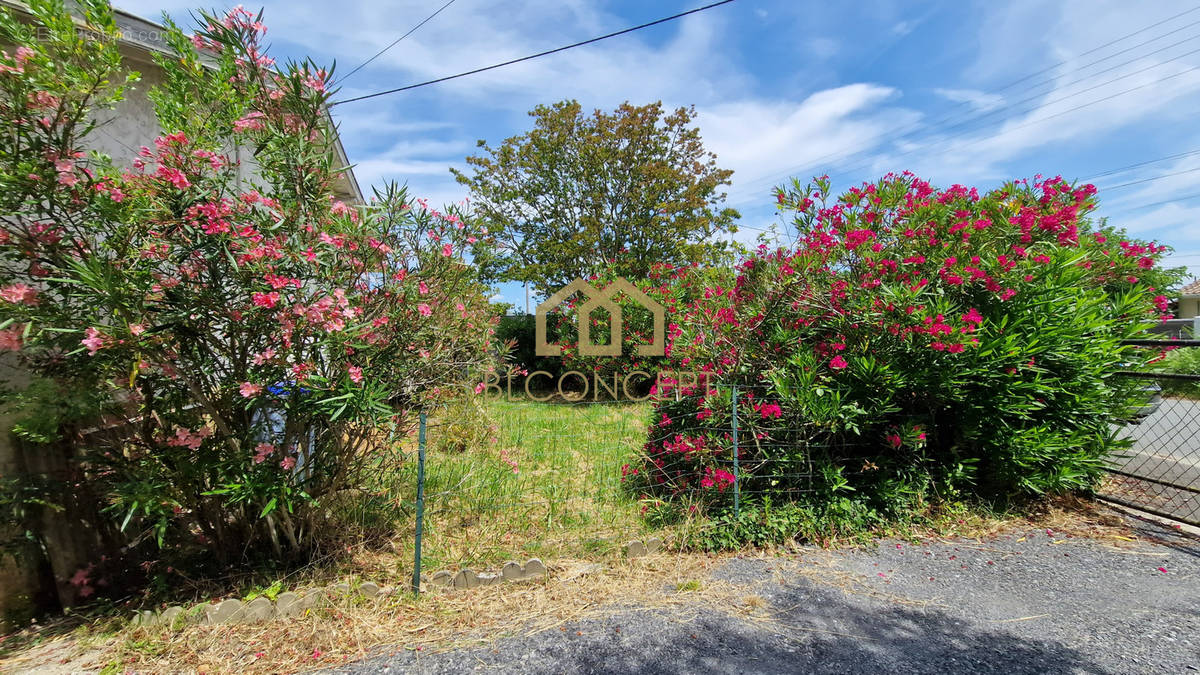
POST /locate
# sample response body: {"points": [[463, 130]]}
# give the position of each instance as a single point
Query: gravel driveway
{"points": [[1026, 602]]}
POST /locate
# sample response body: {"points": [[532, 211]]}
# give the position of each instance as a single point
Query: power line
{"points": [[1052, 80], [397, 41], [1109, 172], [1147, 180], [1033, 121], [1106, 44], [905, 131], [1035, 97], [533, 56], [1153, 204]]}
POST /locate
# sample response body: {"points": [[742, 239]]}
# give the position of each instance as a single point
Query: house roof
{"points": [[1191, 288], [149, 37]]}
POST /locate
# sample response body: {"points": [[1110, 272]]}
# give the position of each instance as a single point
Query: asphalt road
{"points": [[1026, 602]]}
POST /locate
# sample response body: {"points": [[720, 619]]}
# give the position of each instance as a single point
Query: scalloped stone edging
{"points": [[512, 571], [637, 548], [293, 603], [259, 609]]}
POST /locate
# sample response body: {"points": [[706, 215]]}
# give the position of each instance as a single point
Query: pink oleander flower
{"points": [[251, 121], [10, 339], [173, 176], [250, 390], [94, 341], [447, 250], [424, 309], [356, 374], [262, 451], [838, 363], [186, 438], [263, 356], [288, 463], [18, 294], [137, 328]]}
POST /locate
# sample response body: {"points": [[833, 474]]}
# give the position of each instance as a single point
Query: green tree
{"points": [[579, 194]]}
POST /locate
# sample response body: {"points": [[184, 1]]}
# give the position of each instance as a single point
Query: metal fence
{"points": [[563, 468], [1160, 472], [551, 471]]}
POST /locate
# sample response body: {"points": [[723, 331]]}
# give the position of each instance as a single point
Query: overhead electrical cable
{"points": [[1119, 169], [533, 56], [905, 131], [396, 41], [1153, 178]]}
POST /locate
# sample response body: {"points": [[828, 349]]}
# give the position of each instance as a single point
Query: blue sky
{"points": [[789, 88]]}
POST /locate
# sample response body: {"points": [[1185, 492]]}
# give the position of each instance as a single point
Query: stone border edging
{"points": [[636, 548], [292, 603]]}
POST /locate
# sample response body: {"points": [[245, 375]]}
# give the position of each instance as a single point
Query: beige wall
{"points": [[1189, 307]]}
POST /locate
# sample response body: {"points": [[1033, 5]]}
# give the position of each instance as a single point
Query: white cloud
{"points": [[766, 141], [978, 100], [1066, 113]]}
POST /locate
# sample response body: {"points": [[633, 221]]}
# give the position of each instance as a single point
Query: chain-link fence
{"points": [[1160, 472]]}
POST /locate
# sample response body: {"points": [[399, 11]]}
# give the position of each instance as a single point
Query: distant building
{"points": [[1189, 300]]}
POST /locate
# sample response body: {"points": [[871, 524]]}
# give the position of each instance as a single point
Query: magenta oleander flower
{"points": [[838, 363], [267, 300]]}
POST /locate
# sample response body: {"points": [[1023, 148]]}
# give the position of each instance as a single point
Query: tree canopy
{"points": [[583, 193]]}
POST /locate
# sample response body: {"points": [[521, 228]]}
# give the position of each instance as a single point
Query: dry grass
{"points": [[438, 620], [564, 505], [443, 619]]}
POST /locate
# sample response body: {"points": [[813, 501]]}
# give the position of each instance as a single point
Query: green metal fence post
{"points": [[737, 479], [416, 578]]}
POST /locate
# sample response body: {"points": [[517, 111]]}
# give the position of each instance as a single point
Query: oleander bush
{"points": [[248, 343], [916, 344]]}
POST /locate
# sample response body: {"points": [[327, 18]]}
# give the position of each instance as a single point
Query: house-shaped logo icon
{"points": [[597, 299]]}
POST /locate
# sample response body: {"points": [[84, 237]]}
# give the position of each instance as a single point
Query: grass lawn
{"points": [[546, 483]]}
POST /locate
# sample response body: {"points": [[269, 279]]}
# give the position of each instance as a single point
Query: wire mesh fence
{"points": [[561, 477], [1160, 472]]}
